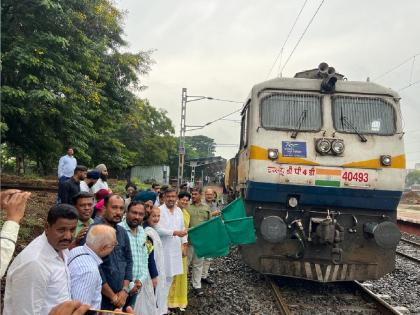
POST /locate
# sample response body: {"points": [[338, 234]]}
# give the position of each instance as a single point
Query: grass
{"points": [[118, 187]]}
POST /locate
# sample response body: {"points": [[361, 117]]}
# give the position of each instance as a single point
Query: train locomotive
{"points": [[321, 168]]}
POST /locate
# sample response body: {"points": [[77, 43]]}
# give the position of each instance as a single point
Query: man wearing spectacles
{"points": [[83, 262]]}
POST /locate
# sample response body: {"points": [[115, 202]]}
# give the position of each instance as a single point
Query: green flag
{"points": [[210, 238], [241, 231], [234, 210]]}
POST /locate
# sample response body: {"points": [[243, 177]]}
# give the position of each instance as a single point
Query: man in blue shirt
{"points": [[117, 268], [83, 262], [65, 170], [132, 224]]}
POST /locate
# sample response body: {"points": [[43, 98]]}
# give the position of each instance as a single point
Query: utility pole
{"points": [[184, 101], [182, 136]]}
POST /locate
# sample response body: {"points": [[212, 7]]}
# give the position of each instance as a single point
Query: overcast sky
{"points": [[222, 48]]}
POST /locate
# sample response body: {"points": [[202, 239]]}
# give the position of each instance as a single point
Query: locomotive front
{"points": [[321, 169]]}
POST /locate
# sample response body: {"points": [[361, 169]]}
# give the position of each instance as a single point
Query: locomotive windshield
{"points": [[363, 115], [300, 112]]}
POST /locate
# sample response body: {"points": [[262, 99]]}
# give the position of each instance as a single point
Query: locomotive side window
{"points": [[244, 127], [291, 112], [363, 115]]}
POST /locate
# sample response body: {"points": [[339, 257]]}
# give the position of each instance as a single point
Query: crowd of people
{"points": [[103, 251]]}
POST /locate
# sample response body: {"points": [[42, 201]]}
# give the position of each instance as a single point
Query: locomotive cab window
{"points": [[244, 127], [300, 112], [363, 115]]}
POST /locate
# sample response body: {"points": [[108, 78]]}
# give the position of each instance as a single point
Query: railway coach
{"points": [[321, 168]]}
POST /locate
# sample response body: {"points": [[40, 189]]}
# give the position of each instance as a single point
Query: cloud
{"points": [[223, 48]]}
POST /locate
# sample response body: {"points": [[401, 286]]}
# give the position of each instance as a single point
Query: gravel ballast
{"points": [[237, 289], [240, 290]]}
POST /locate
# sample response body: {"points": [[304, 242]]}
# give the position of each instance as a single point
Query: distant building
{"points": [[417, 166], [151, 174]]}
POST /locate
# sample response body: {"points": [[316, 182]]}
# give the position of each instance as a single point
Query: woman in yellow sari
{"points": [[178, 293]]}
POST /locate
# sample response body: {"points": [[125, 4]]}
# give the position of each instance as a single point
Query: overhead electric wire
{"points": [[216, 120], [303, 34], [407, 86], [396, 67], [223, 100], [285, 41]]}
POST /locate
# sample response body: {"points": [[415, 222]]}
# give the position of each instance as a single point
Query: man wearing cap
{"points": [[147, 197], [72, 186], [90, 180], [102, 181]]}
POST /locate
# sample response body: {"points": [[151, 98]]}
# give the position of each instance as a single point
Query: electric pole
{"points": [[182, 137]]}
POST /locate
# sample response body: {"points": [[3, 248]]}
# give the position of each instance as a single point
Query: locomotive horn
{"points": [[331, 71], [323, 68]]}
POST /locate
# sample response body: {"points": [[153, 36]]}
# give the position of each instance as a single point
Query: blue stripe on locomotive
{"points": [[324, 196]]}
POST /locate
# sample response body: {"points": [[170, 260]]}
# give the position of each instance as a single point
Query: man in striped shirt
{"points": [[83, 263], [132, 224]]}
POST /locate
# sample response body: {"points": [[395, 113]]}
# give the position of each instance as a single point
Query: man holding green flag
{"points": [[199, 212]]}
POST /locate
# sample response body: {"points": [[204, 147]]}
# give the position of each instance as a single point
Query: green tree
{"points": [[148, 135], [66, 81], [195, 147], [412, 178]]}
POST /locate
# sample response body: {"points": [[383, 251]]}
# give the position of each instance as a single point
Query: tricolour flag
{"points": [[327, 177]]}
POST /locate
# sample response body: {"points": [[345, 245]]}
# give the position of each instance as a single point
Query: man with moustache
{"points": [[83, 203], [38, 278], [117, 267], [132, 224]]}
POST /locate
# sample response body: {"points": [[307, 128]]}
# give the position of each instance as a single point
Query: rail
{"points": [[311, 297]]}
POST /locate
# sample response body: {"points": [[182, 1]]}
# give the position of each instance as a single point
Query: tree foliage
{"points": [[67, 81], [195, 147], [412, 178]]}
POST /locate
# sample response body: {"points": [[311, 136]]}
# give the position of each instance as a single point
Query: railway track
{"points": [[409, 249], [306, 297]]}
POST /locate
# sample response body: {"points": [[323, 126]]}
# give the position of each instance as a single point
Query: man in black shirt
{"points": [[72, 186]]}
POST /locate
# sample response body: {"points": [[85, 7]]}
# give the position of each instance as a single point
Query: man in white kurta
{"points": [[172, 233], [38, 278]]}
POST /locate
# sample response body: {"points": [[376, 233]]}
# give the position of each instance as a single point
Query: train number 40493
{"points": [[360, 177]]}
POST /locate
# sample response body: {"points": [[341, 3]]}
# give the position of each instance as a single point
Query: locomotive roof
{"points": [[343, 86]]}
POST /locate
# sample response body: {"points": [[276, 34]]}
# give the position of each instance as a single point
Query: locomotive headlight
{"points": [[273, 154], [293, 202], [386, 160], [323, 146], [337, 147]]}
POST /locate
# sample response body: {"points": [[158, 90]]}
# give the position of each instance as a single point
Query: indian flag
{"points": [[327, 177]]}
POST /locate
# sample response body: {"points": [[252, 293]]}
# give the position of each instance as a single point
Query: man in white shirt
{"points": [[38, 278], [83, 262], [90, 180], [65, 170], [173, 234], [13, 201], [102, 181]]}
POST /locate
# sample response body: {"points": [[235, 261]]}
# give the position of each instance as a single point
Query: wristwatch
{"points": [[127, 290]]}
